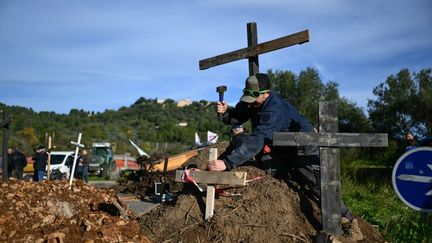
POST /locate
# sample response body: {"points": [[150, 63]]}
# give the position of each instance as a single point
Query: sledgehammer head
{"points": [[221, 90]]}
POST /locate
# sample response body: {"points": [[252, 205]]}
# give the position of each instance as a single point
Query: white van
{"points": [[61, 161]]}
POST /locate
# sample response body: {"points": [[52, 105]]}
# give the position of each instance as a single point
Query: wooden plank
{"points": [[328, 116], [49, 158], [330, 171], [213, 154], [210, 202], [176, 161], [215, 177], [276, 44], [252, 37], [330, 190], [327, 139]]}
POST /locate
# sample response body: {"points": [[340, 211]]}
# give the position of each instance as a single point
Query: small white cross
{"points": [[77, 146]]}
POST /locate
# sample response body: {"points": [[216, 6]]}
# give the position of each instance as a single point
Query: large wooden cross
{"points": [[329, 141], [254, 49]]}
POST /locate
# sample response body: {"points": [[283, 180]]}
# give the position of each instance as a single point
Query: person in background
{"points": [[40, 161], [16, 163], [411, 141], [84, 163]]}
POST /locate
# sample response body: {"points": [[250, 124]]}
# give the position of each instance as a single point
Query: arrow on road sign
{"points": [[417, 178]]}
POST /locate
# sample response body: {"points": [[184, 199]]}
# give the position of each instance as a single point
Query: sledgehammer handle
{"points": [[221, 90]]}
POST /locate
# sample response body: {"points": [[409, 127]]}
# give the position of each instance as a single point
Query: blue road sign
{"points": [[412, 178]]}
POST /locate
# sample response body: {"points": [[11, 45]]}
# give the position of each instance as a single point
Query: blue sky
{"points": [[94, 55]]}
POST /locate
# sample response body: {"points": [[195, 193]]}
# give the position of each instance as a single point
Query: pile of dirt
{"points": [[49, 211], [266, 210]]}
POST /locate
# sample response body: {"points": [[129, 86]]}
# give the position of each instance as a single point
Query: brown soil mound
{"points": [[37, 212], [267, 210]]}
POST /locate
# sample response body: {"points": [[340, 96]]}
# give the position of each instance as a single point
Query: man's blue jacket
{"points": [[276, 115]]}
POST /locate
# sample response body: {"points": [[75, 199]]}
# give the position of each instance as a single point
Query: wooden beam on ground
{"points": [[215, 177], [254, 50], [176, 161], [327, 139]]}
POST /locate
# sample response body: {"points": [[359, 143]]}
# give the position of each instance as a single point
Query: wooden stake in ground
{"points": [[49, 158], [77, 146], [210, 189]]}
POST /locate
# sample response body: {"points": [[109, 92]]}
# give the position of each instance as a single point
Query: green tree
{"points": [[423, 111], [306, 91], [402, 104]]}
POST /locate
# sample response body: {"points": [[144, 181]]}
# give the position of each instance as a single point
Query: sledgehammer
{"points": [[221, 90]]}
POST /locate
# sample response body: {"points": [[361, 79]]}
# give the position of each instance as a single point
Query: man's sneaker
{"points": [[351, 230]]}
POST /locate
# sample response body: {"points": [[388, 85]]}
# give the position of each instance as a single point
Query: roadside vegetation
{"points": [[369, 194]]}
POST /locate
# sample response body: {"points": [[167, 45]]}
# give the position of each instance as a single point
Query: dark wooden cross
{"points": [[254, 49], [5, 127], [329, 141]]}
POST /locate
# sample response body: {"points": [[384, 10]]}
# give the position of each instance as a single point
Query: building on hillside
{"points": [[184, 102], [182, 124], [160, 101]]}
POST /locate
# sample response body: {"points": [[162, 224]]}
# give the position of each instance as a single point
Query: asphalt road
{"points": [[103, 184]]}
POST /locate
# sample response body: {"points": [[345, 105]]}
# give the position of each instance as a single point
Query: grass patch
{"points": [[368, 193]]}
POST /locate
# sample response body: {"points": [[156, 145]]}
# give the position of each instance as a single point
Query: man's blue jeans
{"points": [[40, 175], [85, 173]]}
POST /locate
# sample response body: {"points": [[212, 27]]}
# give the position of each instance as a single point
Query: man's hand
{"points": [[221, 107], [217, 165]]}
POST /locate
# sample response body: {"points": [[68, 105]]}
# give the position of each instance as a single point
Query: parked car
{"points": [[61, 162]]}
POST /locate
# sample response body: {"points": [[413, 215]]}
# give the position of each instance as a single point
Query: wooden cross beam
{"points": [[212, 178], [215, 177], [254, 49], [329, 141]]}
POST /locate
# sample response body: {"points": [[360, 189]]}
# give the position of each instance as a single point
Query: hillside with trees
{"points": [[401, 103], [157, 126]]}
